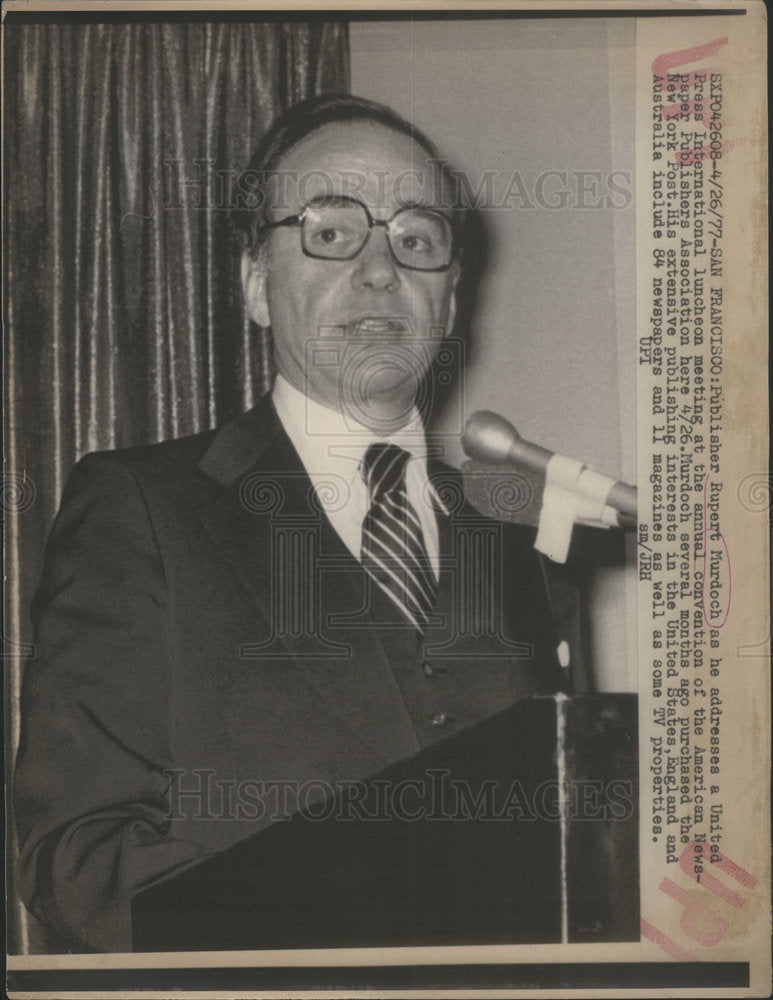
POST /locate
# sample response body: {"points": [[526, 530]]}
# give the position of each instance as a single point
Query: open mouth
{"points": [[366, 325]]}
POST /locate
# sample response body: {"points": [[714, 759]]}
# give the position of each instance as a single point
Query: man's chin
{"points": [[381, 400]]}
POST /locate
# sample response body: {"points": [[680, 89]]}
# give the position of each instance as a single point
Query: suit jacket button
{"points": [[440, 719]]}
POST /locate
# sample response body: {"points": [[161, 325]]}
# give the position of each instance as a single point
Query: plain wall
{"points": [[553, 342]]}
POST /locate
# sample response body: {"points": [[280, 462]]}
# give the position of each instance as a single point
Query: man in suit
{"points": [[299, 598]]}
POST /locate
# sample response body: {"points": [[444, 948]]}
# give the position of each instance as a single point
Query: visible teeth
{"points": [[379, 324]]}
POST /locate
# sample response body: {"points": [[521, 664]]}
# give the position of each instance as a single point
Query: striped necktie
{"points": [[393, 549]]}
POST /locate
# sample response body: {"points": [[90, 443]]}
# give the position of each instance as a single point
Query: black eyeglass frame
{"points": [[298, 220]]}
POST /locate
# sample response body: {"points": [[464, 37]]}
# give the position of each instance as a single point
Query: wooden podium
{"points": [[523, 829]]}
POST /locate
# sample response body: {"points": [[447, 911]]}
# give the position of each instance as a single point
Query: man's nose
{"points": [[375, 267]]}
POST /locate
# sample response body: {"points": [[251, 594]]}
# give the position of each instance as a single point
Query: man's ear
{"points": [[452, 302], [253, 272]]}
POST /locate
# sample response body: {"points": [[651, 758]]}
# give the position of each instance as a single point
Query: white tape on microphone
{"points": [[559, 507], [592, 490], [573, 493]]}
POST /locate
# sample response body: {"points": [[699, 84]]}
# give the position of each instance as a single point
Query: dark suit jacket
{"points": [[204, 638]]}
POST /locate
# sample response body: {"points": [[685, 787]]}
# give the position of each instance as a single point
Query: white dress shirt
{"points": [[332, 447]]}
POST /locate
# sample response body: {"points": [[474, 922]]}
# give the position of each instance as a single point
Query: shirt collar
{"points": [[326, 440]]}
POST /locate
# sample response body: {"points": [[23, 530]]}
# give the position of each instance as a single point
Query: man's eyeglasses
{"points": [[421, 239]]}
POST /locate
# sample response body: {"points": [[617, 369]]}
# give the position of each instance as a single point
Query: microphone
{"points": [[491, 439]]}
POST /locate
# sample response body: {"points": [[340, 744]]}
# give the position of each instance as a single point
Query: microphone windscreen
{"points": [[489, 437]]}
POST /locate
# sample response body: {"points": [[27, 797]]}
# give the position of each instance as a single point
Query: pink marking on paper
{"points": [[719, 536], [663, 941], [699, 922], [662, 64], [687, 108]]}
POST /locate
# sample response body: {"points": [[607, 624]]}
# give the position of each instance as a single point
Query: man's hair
{"points": [[298, 122]]}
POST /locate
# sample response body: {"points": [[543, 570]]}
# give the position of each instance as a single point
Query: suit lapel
{"points": [[260, 511]]}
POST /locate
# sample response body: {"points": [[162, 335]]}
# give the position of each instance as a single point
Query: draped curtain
{"points": [[123, 316]]}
